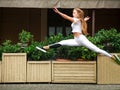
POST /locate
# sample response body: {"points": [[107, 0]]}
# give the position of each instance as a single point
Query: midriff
{"points": [[76, 34]]}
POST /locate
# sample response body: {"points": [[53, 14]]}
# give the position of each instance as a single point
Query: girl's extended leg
{"points": [[85, 42], [69, 42], [91, 46]]}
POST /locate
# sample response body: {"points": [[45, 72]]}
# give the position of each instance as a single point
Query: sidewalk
{"points": [[58, 87]]}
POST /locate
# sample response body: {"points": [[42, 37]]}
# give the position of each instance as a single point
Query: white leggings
{"points": [[83, 41]]}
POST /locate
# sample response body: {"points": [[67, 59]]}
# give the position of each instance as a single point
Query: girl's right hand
{"points": [[55, 10]]}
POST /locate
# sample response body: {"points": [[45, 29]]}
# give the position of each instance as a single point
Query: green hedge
{"points": [[108, 40]]}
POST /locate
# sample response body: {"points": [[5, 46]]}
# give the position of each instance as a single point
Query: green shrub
{"points": [[53, 39], [104, 39], [25, 36], [8, 47], [34, 54], [110, 39]]}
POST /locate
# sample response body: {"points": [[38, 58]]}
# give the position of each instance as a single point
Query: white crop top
{"points": [[76, 26]]}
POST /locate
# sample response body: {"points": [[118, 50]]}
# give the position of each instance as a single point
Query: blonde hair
{"points": [[81, 18]]}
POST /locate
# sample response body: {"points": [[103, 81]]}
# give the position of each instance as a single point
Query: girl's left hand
{"points": [[87, 18]]}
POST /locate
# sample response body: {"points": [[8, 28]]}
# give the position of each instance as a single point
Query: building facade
{"points": [[37, 17]]}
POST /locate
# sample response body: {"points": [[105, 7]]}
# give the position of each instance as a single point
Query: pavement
{"points": [[58, 87]]}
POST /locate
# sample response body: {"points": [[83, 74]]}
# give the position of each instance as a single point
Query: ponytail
{"points": [[84, 27]]}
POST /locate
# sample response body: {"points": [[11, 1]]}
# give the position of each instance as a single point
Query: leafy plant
{"points": [[34, 54], [62, 52], [74, 53], [8, 47], [25, 37], [109, 39], [54, 38]]}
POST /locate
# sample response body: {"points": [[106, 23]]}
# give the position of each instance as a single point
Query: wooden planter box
{"points": [[0, 71], [39, 71], [13, 67], [74, 72], [108, 70]]}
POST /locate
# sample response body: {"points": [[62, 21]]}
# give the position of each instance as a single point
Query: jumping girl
{"points": [[79, 28]]}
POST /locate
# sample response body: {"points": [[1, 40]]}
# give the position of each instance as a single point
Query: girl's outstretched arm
{"points": [[65, 16]]}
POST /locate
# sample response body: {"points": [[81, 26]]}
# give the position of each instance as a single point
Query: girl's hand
{"points": [[55, 10], [87, 18]]}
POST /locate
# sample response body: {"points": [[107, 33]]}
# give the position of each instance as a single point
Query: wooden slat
{"points": [[75, 78], [76, 72], [73, 69], [71, 74], [73, 66]]}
